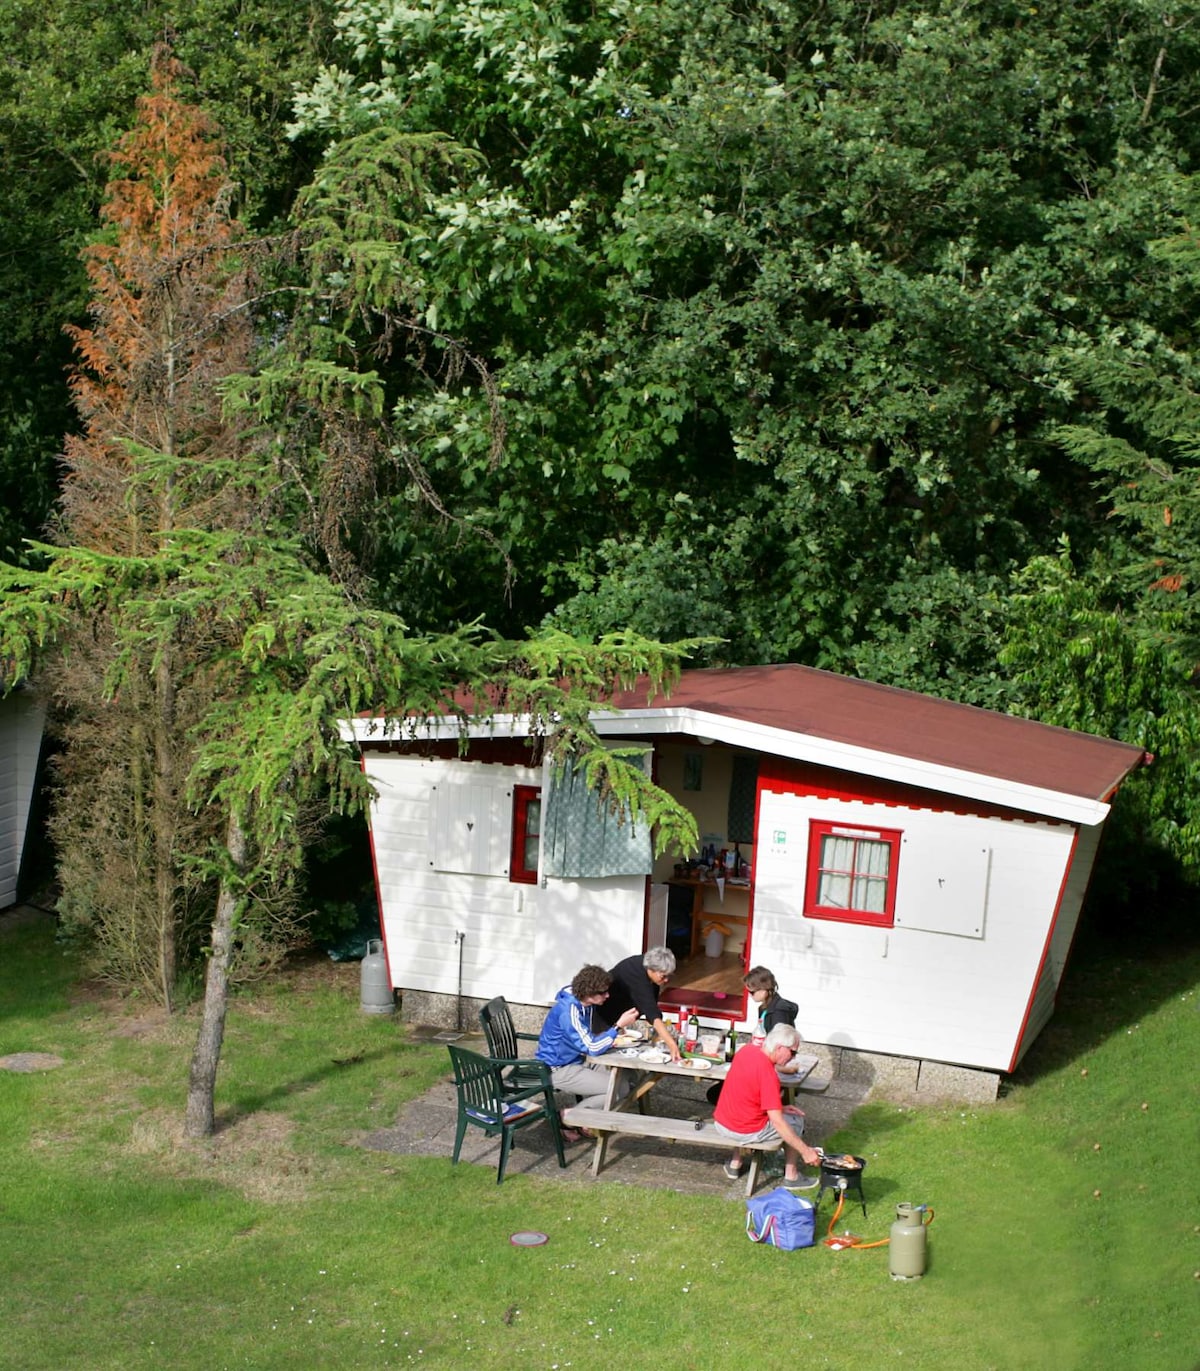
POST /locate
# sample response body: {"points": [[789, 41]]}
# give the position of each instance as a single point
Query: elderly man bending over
{"points": [[751, 1107], [637, 982]]}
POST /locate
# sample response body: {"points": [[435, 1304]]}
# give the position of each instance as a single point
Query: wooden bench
{"points": [[813, 1085], [605, 1122]]}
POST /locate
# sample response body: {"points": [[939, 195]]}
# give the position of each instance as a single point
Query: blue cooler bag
{"points": [[780, 1219]]}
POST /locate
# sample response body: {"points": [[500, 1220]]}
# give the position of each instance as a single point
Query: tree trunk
{"points": [[200, 1118], [166, 802]]}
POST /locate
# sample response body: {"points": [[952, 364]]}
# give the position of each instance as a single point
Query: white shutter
{"points": [[471, 826]]}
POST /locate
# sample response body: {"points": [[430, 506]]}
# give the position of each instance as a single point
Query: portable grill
{"points": [[843, 1173]]}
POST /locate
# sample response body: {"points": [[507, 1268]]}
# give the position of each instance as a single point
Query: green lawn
{"points": [[285, 1245]]}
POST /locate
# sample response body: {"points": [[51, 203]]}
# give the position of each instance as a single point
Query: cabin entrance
{"points": [[706, 925], [701, 907]]}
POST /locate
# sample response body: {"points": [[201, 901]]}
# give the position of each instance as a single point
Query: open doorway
{"points": [[707, 926], [702, 909]]}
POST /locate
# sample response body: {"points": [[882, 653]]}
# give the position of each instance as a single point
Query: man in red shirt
{"points": [[751, 1106]]}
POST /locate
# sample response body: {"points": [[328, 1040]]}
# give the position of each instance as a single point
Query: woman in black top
{"points": [[772, 1007]]}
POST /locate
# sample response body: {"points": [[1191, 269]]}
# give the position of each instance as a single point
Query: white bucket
{"points": [[714, 943]]}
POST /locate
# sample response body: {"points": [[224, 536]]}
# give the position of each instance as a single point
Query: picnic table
{"points": [[619, 1116]]}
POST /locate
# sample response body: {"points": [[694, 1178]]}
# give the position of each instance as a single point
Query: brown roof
{"points": [[903, 723]]}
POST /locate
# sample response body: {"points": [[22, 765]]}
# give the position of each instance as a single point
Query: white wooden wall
{"points": [[1060, 943], [951, 981], [441, 832], [21, 720]]}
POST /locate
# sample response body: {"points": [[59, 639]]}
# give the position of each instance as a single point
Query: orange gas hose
{"points": [[860, 1246]]}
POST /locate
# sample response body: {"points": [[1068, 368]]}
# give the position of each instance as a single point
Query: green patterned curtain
{"points": [[584, 839], [742, 788]]}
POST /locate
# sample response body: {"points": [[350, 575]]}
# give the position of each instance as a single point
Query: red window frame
{"points": [[526, 833], [856, 872]]}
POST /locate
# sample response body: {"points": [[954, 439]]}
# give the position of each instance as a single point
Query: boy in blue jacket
{"points": [[567, 1039]]}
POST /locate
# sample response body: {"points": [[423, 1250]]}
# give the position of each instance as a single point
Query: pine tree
{"points": [[171, 291]]}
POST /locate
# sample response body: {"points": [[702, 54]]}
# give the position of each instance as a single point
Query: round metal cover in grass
{"points": [[527, 1238]]}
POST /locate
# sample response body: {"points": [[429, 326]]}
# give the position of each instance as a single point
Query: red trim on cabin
{"points": [[378, 888], [782, 775], [518, 872], [1041, 966], [819, 829]]}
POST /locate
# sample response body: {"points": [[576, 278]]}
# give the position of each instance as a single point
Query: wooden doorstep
{"points": [[605, 1122]]}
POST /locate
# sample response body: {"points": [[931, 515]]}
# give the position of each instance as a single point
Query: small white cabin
{"points": [[21, 721], [912, 870]]}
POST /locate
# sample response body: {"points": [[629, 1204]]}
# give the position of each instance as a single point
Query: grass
{"points": [[285, 1245]]}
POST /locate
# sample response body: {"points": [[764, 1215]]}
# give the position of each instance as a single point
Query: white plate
{"points": [[652, 1054], [697, 1064]]}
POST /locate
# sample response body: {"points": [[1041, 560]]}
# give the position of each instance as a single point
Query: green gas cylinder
{"points": [[906, 1245]]}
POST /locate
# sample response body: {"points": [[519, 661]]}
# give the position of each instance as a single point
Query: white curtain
{"points": [[854, 874]]}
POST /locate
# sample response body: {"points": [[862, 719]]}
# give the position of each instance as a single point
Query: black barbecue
{"points": [[843, 1173]]}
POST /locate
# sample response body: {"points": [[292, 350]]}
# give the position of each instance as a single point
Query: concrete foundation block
{"points": [[885, 1075], [938, 1080], [432, 1008]]}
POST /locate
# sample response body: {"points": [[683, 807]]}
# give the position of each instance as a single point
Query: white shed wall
{"points": [[1064, 931], [521, 941], [21, 721], [913, 990]]}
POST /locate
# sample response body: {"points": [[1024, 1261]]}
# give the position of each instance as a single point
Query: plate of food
{"points": [[653, 1054], [697, 1064]]}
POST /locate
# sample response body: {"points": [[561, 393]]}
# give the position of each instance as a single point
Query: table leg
{"points": [[610, 1095], [610, 1102]]}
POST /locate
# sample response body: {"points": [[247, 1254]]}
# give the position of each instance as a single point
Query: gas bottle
{"points": [[377, 995], [906, 1246]]}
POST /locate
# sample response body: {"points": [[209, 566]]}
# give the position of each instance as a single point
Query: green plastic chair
{"points": [[503, 1043], [483, 1102]]}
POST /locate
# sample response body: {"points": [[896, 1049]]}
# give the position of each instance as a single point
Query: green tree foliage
{"points": [[784, 300], [1080, 660], [1126, 618], [1141, 442]]}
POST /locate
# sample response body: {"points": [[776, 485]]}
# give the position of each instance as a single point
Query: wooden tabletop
{"points": [[629, 1060]]}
